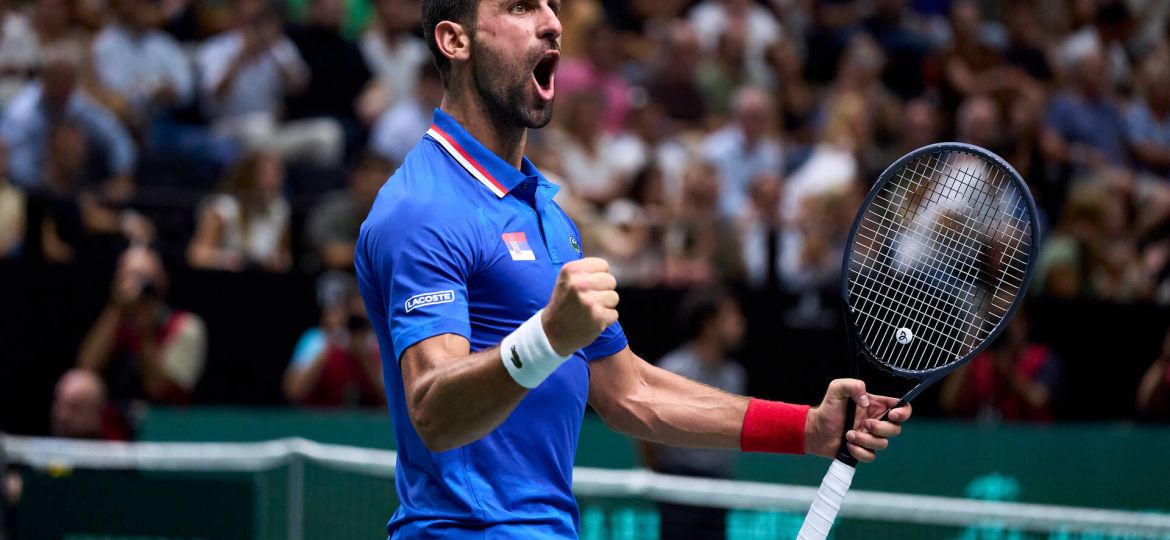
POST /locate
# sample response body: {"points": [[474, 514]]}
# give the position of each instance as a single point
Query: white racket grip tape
{"points": [[830, 496]]}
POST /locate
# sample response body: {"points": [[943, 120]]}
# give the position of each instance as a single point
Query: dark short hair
{"points": [[437, 11], [700, 306]]}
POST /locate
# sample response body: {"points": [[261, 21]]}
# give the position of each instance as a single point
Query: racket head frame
{"points": [[929, 376]]}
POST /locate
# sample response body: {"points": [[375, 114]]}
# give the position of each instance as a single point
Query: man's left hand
{"points": [[823, 427]]}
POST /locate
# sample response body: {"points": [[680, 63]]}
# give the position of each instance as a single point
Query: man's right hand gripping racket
{"points": [[938, 260]]}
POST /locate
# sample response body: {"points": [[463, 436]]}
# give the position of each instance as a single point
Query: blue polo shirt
{"points": [[460, 242]]}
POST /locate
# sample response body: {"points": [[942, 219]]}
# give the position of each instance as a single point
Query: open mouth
{"points": [[545, 73]]}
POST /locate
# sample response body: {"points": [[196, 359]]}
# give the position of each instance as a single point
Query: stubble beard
{"points": [[504, 89]]}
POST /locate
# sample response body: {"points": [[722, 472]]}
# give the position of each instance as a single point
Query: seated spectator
{"points": [[144, 349], [1084, 127], [978, 122], [713, 19], [334, 223], [399, 129], [675, 84], [29, 120], [761, 230], [81, 409], [701, 245], [394, 55], [1153, 397], [599, 68], [13, 203], [337, 364], [1148, 119], [143, 67], [247, 223], [713, 325], [71, 214], [594, 168], [1015, 379], [339, 73], [747, 147], [247, 73]]}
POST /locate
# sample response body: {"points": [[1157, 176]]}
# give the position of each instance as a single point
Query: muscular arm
{"points": [[456, 397], [647, 402]]}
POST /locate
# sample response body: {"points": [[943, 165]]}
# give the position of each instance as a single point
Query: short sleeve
{"points": [[310, 345], [428, 259], [611, 341]]}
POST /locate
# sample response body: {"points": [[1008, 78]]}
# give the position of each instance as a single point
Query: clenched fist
{"points": [[582, 305]]}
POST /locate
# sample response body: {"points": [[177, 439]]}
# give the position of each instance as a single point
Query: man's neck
{"points": [[500, 135]]}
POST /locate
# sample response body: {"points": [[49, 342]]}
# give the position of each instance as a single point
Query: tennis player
{"points": [[495, 331]]}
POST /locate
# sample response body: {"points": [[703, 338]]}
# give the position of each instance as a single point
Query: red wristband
{"points": [[772, 426]]}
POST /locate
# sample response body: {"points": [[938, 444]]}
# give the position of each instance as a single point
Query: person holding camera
{"points": [[144, 349]]}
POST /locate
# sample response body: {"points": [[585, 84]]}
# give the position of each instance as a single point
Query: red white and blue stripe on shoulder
{"points": [[465, 159]]}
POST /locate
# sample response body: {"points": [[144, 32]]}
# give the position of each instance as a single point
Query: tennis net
{"points": [[298, 489]]}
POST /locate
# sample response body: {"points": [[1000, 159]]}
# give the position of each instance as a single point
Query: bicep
{"points": [[428, 355]]}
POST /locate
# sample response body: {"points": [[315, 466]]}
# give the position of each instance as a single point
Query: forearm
{"points": [[95, 349], [458, 401], [154, 379], [670, 409]]}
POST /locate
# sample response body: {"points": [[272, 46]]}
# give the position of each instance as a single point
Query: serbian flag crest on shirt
{"points": [[518, 246]]}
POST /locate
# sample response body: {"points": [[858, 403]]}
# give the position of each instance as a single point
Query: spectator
{"points": [[714, 19], [675, 84], [141, 65], [13, 203], [701, 245], [29, 120], [394, 55], [1153, 396], [81, 410], [145, 349], [398, 130], [334, 223], [904, 46], [19, 51], [246, 224], [745, 148], [1148, 119], [339, 365], [593, 167], [1015, 379], [972, 65], [247, 73], [339, 73], [599, 69], [761, 232], [714, 327], [978, 122], [1084, 126]]}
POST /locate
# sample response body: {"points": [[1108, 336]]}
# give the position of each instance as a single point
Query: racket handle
{"points": [[825, 507]]}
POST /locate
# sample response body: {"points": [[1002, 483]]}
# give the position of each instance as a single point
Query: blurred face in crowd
{"points": [[58, 80], [1091, 75], [729, 325], [398, 16], [512, 58], [51, 17], [965, 20], [753, 111], [921, 124], [139, 267], [327, 13], [136, 14], [77, 405], [369, 177], [586, 109], [979, 121]]}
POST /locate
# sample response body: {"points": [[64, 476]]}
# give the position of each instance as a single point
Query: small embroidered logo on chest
{"points": [[576, 246], [518, 248]]}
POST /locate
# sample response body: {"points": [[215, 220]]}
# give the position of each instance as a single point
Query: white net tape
{"points": [[45, 453]]}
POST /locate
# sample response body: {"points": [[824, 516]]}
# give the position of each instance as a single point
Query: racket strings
{"points": [[941, 251]]}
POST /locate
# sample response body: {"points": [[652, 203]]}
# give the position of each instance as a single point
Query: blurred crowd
{"points": [[698, 143]]}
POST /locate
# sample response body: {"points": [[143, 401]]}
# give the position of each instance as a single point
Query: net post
{"points": [[296, 496]]}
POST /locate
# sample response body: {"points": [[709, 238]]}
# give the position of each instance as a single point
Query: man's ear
{"points": [[453, 40]]}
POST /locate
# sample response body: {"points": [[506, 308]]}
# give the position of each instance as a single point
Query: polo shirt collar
{"points": [[493, 172]]}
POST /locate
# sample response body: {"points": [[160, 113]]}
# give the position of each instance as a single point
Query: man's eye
{"points": [[518, 8]]}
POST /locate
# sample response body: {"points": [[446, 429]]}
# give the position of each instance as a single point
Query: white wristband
{"points": [[527, 354]]}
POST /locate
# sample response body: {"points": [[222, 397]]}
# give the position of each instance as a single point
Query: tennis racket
{"points": [[936, 264]]}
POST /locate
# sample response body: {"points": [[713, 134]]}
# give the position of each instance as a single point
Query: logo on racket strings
{"points": [[904, 336]]}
